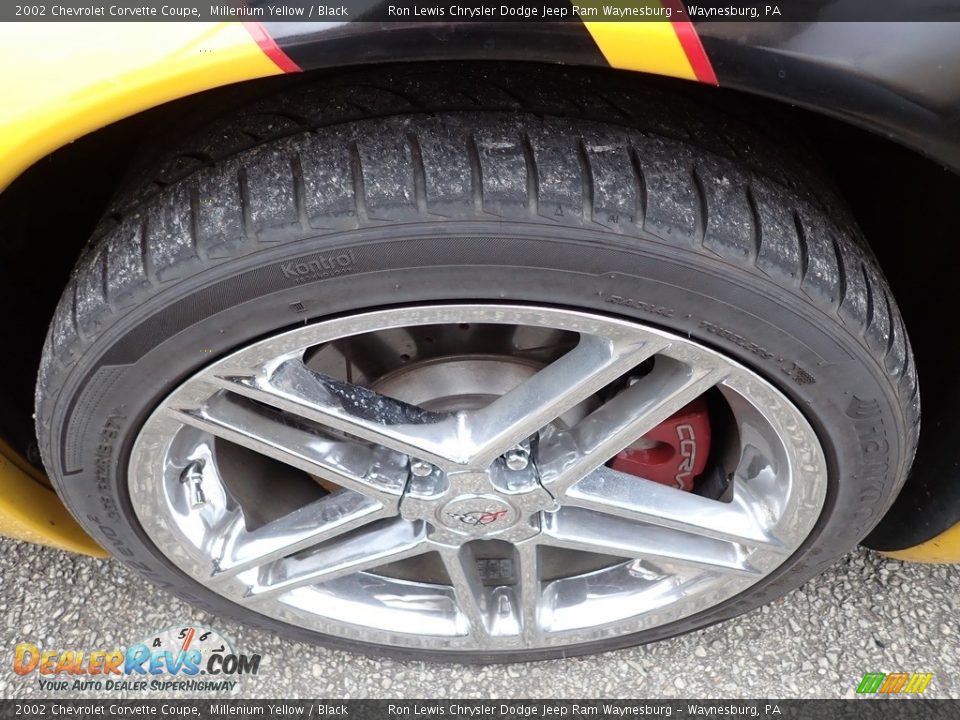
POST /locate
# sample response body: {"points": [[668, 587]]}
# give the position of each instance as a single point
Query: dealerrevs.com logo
{"points": [[185, 658]]}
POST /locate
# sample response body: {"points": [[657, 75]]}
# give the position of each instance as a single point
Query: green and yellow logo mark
{"points": [[894, 683]]}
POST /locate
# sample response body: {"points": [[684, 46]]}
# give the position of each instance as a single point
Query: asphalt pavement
{"points": [[867, 614]]}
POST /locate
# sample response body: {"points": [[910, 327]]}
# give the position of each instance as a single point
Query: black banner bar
{"points": [[431, 11], [865, 709]]}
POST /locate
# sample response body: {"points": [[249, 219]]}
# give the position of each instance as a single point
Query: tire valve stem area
{"points": [[675, 452], [192, 475]]}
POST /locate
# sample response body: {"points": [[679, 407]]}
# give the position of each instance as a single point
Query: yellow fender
{"points": [[31, 511]]}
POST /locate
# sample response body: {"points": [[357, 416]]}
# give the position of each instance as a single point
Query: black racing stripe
{"points": [[312, 47]]}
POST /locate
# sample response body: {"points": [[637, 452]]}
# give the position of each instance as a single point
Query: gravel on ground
{"points": [[866, 614]]}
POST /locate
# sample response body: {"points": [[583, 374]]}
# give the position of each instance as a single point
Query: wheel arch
{"points": [[39, 249]]}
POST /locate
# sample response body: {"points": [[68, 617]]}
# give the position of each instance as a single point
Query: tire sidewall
{"points": [[214, 309]]}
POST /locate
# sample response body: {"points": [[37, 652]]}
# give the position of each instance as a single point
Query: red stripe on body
{"points": [[690, 42], [270, 48]]}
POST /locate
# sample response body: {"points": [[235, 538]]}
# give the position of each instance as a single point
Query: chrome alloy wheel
{"points": [[434, 477]]}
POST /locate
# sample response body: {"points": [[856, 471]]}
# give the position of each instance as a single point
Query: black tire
{"points": [[665, 211]]}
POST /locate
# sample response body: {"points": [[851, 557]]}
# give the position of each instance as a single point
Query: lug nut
{"points": [[421, 468], [517, 459]]}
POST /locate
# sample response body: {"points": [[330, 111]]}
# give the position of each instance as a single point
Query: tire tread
{"points": [[399, 146]]}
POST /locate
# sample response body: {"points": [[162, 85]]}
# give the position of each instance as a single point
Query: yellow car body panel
{"points": [[663, 54], [64, 80], [942, 549], [31, 511]]}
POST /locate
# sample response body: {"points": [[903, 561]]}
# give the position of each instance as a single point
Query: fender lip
{"points": [[942, 549], [32, 512]]}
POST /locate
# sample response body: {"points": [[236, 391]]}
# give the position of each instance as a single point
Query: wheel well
{"points": [[48, 214]]}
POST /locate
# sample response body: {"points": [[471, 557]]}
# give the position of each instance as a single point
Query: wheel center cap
{"points": [[478, 514]]}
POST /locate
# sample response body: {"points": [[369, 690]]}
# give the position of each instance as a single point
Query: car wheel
{"points": [[478, 384]]}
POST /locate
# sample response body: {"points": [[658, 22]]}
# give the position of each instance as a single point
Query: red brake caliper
{"points": [[674, 452]]}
